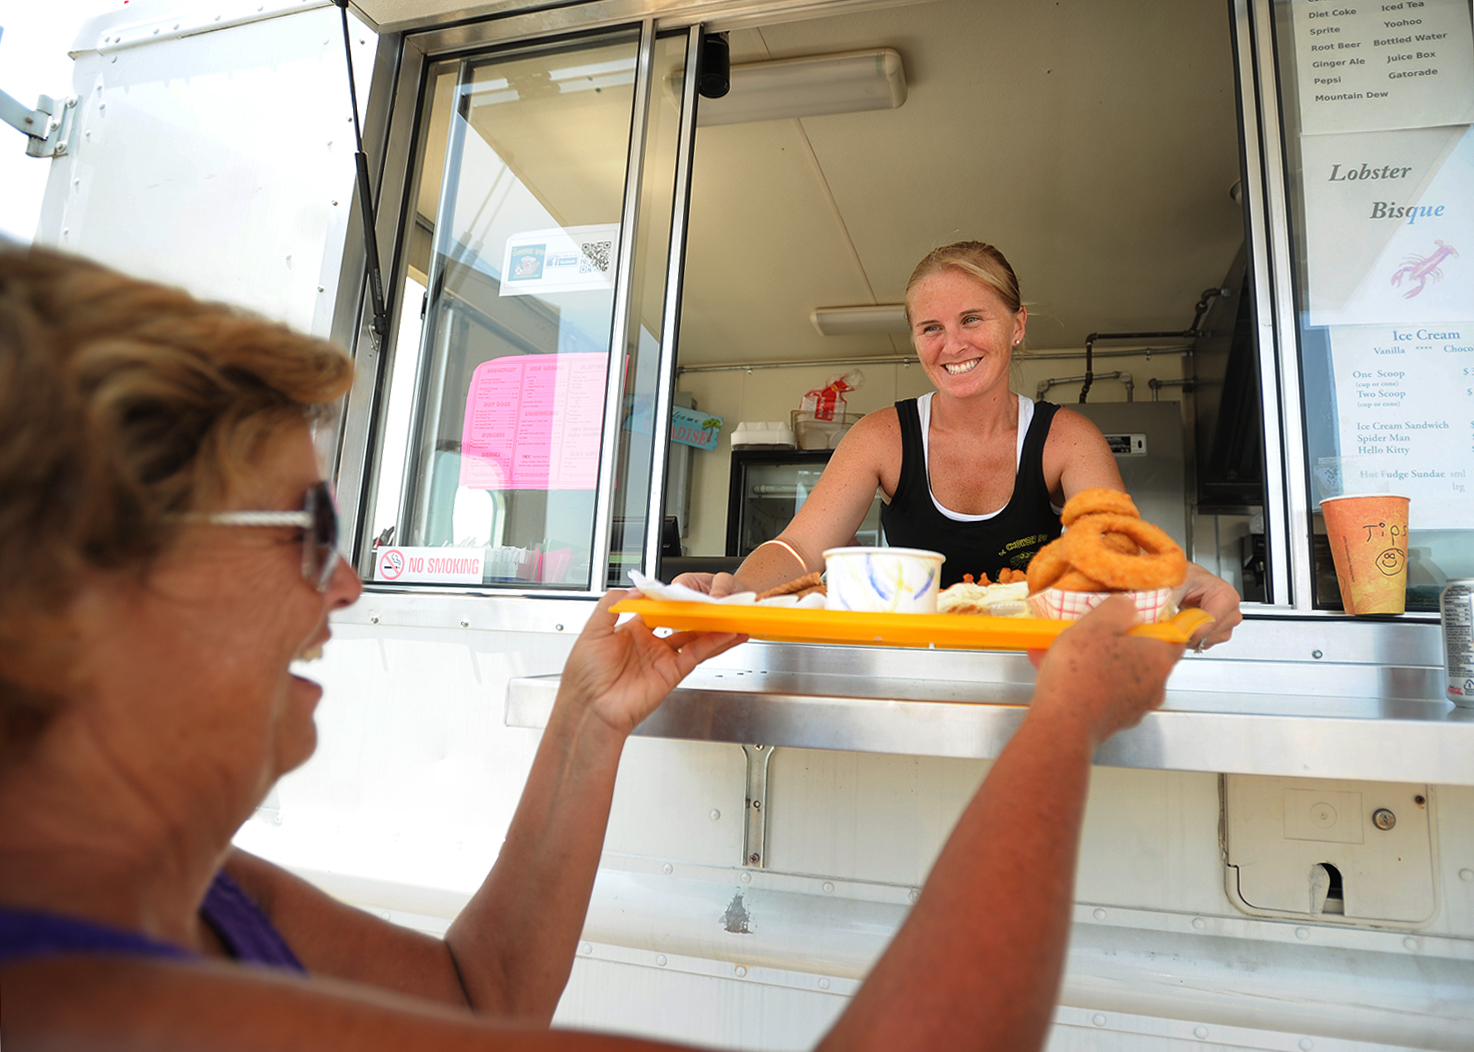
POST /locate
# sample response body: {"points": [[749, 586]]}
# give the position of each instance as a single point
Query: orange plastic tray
{"points": [[950, 631]]}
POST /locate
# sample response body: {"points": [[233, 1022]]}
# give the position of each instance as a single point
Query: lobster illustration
{"points": [[1420, 270]]}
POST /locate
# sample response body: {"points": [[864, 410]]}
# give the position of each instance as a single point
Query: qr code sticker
{"points": [[595, 257]]}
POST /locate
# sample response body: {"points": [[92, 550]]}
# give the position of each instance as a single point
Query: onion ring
{"points": [[1098, 501], [1049, 563], [1119, 542], [1162, 565], [1075, 581]]}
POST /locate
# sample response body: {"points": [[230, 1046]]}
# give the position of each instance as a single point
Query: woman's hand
{"points": [[622, 672], [1097, 673], [715, 585], [1216, 596]]}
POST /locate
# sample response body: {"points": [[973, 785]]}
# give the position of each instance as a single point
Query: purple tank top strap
{"points": [[239, 923], [25, 935], [247, 934]]}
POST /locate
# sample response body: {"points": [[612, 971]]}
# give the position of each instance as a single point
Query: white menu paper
{"points": [[1379, 66], [1405, 414]]}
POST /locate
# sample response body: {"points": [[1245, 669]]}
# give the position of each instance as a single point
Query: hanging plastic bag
{"points": [[824, 402]]}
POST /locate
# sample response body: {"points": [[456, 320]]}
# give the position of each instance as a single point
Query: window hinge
{"points": [[48, 127]]}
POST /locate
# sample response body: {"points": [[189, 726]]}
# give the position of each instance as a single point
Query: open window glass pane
{"points": [[1376, 102], [635, 440], [497, 403]]}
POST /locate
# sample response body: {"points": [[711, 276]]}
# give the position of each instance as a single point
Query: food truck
{"points": [[589, 239]]}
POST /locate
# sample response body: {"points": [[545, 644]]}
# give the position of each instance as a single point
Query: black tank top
{"points": [[1010, 538]]}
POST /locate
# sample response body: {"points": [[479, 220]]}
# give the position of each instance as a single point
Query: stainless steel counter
{"points": [[1313, 698]]}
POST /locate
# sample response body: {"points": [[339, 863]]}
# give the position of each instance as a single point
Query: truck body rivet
{"points": [[828, 888], [1466, 874], [1410, 943], [913, 894], [1200, 1032], [660, 959], [739, 971], [753, 859], [465, 624], [1316, 654], [1199, 923], [373, 619], [667, 869], [1099, 914], [1098, 1019], [1383, 819], [1306, 1044], [823, 984], [1302, 933], [715, 814], [557, 628]]}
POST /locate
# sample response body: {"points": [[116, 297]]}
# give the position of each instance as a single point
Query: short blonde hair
{"points": [[976, 259], [122, 404]]}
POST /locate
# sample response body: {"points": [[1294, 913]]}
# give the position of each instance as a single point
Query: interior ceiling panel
{"points": [[1095, 144], [752, 276]]}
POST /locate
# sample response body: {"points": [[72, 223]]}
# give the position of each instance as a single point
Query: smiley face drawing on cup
{"points": [[1392, 562]]}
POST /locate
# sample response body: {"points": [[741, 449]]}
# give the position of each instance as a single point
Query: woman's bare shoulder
{"points": [[882, 426], [115, 1002], [1076, 456], [1069, 424], [874, 442]]}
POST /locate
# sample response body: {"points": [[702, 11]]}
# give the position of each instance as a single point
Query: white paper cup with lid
{"points": [[883, 580]]}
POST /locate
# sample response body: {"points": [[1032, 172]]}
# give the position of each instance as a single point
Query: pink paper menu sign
{"points": [[534, 421]]}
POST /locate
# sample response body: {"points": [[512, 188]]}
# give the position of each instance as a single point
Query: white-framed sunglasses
{"points": [[318, 521]]}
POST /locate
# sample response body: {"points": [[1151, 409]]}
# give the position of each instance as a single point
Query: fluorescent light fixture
{"points": [[844, 82], [860, 321]]}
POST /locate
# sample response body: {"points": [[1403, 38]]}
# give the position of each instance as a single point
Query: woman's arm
{"points": [[978, 962], [1076, 457], [868, 457], [514, 942], [510, 951]]}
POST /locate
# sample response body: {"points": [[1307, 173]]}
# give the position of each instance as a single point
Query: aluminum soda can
{"points": [[1456, 606]]}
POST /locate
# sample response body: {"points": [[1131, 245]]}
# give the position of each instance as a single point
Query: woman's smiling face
{"points": [[963, 332], [193, 682]]}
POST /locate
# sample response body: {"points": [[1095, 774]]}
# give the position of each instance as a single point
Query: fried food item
{"points": [[1008, 575], [1107, 550], [1161, 564], [1049, 564], [799, 586], [969, 598], [1075, 581], [1098, 501]]}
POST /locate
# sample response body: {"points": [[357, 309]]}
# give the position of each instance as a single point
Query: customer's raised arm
{"points": [[977, 964], [514, 942]]}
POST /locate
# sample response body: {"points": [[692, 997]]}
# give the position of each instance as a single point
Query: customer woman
{"points": [[168, 548], [971, 470]]}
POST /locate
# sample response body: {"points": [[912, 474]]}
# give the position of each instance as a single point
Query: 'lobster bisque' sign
{"points": [[1389, 226]]}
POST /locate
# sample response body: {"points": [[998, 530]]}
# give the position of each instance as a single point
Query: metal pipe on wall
{"points": [[911, 359], [1186, 383], [1125, 378]]}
